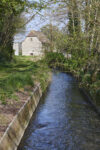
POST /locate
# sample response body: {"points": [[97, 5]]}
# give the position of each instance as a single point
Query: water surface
{"points": [[63, 120]]}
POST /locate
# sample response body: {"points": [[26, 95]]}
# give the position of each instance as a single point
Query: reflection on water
{"points": [[63, 120]]}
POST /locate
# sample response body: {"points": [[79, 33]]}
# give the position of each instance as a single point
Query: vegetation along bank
{"points": [[17, 80], [86, 70]]}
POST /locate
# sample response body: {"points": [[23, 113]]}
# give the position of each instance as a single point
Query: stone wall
{"points": [[16, 48], [32, 46], [16, 129]]}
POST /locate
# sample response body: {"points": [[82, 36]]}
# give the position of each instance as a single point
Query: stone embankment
{"points": [[16, 129]]}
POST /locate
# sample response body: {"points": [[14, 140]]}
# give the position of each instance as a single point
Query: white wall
{"points": [[16, 48], [32, 45], [67, 55]]}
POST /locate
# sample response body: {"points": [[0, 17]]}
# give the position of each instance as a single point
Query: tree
{"points": [[82, 21], [56, 36], [51, 32], [10, 12]]}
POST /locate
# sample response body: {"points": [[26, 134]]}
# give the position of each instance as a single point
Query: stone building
{"points": [[34, 44], [17, 47]]}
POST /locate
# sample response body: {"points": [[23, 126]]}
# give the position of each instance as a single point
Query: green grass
{"points": [[20, 73]]}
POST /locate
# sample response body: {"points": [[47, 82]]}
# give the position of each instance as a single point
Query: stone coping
{"points": [[16, 129]]}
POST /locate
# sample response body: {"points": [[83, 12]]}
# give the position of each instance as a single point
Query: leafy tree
{"points": [[56, 36], [10, 12]]}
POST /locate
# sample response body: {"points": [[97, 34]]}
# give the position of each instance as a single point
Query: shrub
{"points": [[52, 58]]}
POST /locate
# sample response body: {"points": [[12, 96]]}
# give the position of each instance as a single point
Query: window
{"points": [[31, 54]]}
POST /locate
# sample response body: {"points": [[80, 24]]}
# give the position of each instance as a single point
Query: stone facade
{"points": [[32, 46]]}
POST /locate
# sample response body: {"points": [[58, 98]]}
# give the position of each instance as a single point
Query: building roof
{"points": [[39, 35]]}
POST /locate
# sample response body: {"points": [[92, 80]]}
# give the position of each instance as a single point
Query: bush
{"points": [[52, 58], [87, 78]]}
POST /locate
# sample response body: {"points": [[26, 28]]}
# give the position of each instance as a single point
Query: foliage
{"points": [[80, 37], [52, 58], [58, 40]]}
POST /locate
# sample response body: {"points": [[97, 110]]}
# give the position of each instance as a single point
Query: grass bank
{"points": [[17, 80], [19, 75]]}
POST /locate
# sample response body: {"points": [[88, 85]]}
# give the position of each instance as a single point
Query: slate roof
{"points": [[39, 35]]}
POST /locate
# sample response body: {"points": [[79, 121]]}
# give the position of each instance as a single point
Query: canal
{"points": [[64, 120]]}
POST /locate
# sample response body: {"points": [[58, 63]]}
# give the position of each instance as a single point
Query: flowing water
{"points": [[63, 120]]}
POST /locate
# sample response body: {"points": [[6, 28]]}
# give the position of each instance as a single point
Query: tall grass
{"points": [[19, 74]]}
